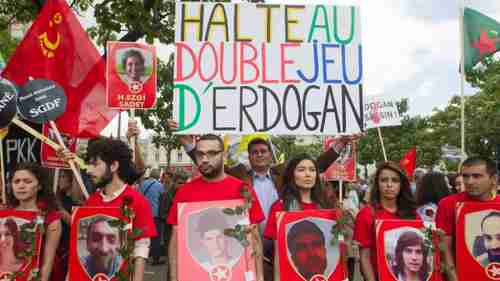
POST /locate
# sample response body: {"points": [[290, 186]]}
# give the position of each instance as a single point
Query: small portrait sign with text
{"points": [[131, 75], [48, 155]]}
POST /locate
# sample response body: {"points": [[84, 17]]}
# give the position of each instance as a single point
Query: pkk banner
{"points": [[130, 75]]}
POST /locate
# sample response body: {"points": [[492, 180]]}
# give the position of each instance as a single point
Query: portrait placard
{"points": [[18, 230], [402, 249], [95, 244], [305, 249], [206, 252], [48, 155], [344, 167], [131, 75], [478, 241]]}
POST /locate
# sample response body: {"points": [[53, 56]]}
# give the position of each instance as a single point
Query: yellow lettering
{"points": [[269, 20], [289, 22]]}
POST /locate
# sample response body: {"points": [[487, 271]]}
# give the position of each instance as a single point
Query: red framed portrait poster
{"points": [[18, 230], [48, 155], [305, 249], [131, 75], [207, 254], [403, 252], [95, 244], [344, 168], [478, 241]]}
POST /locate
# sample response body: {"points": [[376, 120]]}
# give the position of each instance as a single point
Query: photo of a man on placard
{"points": [[309, 250], [133, 65], [99, 246], [483, 236], [214, 247]]}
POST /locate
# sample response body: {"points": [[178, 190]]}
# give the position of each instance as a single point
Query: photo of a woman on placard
{"points": [[134, 65], [10, 246]]}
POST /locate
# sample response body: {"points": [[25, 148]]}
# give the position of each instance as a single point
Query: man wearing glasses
{"points": [[214, 184]]}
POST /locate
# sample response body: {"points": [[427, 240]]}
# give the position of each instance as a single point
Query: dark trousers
{"points": [[156, 247]]}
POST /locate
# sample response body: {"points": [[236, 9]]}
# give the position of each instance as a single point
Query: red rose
{"points": [[127, 200]]}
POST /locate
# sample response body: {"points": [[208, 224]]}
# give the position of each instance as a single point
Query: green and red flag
{"points": [[481, 37], [57, 48]]}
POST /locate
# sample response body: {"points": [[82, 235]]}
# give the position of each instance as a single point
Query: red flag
{"points": [[57, 48], [409, 161]]}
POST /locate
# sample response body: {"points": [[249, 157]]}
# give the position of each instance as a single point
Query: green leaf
{"points": [[228, 211]]}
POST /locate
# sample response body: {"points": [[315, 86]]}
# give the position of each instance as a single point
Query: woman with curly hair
{"points": [[390, 198], [30, 192]]}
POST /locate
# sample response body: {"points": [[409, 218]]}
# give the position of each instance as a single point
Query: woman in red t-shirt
{"points": [[302, 191], [390, 198], [30, 192]]}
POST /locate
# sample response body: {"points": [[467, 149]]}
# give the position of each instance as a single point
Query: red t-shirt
{"points": [[143, 219], [271, 230], [445, 215], [364, 229], [200, 190]]}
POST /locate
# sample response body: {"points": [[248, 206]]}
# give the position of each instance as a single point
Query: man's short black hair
{"points": [[256, 141], [301, 228], [491, 167], [494, 214], [110, 150], [212, 137]]}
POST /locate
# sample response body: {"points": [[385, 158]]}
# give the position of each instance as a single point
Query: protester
{"points": [[432, 189], [265, 177], [152, 189], [213, 184], [390, 198], [112, 171], [480, 180], [456, 183], [302, 191], [30, 192]]}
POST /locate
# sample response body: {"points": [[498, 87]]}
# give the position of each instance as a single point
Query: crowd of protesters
{"points": [[293, 185]]}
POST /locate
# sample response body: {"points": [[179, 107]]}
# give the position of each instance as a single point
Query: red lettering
{"points": [[208, 63], [180, 62], [285, 61], [222, 56], [264, 66], [248, 61]]}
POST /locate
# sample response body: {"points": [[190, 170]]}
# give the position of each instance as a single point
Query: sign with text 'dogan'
{"points": [[283, 69]]}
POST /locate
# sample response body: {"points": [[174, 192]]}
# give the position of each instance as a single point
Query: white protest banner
{"points": [[381, 112], [282, 69]]}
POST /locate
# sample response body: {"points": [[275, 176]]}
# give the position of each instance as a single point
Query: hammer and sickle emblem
{"points": [[48, 47]]}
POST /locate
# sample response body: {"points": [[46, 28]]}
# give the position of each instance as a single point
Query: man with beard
{"points": [[103, 243], [214, 185], [306, 244], [480, 181], [490, 227], [112, 171]]}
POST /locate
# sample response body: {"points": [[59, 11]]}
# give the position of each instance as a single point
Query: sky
{"points": [[411, 48]]}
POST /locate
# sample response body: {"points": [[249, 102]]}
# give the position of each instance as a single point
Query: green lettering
{"points": [[183, 90], [315, 25], [336, 26]]}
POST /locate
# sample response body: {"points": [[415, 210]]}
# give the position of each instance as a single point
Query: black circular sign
{"points": [[8, 93], [41, 100]]}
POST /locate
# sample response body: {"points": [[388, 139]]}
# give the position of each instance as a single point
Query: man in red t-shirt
{"points": [[112, 171], [480, 178], [213, 185]]}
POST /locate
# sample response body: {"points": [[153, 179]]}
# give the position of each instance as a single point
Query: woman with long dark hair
{"points": [[31, 192], [390, 198], [302, 191], [432, 189]]}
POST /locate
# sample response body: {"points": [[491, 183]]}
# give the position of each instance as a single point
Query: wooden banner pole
{"points": [[382, 143], [75, 170]]}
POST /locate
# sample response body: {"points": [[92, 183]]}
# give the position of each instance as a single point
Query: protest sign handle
{"points": [[44, 139], [341, 185], [76, 172], [382, 143], [4, 197], [132, 139], [56, 180]]}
